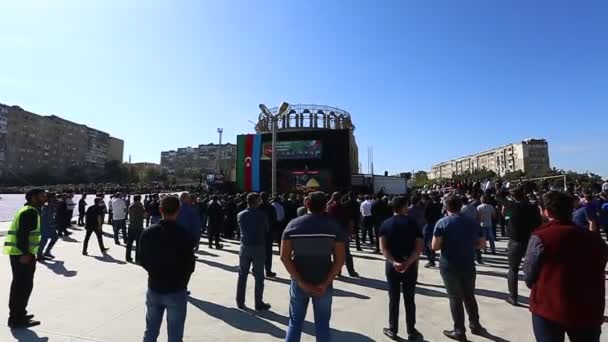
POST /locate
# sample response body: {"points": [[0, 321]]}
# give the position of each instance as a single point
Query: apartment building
{"points": [[530, 156], [34, 143], [201, 159]]}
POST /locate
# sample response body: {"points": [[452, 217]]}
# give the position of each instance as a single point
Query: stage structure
{"points": [[316, 150]]}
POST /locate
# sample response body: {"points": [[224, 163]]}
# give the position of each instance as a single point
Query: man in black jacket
{"points": [[215, 215], [524, 218], [166, 251]]}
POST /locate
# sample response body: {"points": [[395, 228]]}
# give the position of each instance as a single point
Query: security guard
{"points": [[22, 244]]}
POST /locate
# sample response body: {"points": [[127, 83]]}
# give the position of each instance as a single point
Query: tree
{"points": [[421, 178]]}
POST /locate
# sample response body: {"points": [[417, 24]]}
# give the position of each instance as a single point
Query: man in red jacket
{"points": [[564, 267]]}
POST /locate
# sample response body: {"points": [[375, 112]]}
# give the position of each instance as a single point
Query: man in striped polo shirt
{"points": [[313, 252]]}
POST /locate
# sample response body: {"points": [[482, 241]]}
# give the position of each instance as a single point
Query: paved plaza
{"points": [[96, 298]]}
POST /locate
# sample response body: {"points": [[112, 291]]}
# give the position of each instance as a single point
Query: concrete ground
{"points": [[96, 298]]}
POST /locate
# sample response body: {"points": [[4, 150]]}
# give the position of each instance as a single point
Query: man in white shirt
{"points": [[280, 223], [605, 186], [119, 216], [485, 215], [368, 221]]}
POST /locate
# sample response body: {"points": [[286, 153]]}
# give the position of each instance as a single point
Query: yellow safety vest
{"points": [[10, 244]]}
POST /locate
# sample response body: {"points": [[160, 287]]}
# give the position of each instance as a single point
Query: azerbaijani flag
{"points": [[248, 162]]}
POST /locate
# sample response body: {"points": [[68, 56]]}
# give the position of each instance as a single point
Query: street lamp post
{"points": [[274, 119]]}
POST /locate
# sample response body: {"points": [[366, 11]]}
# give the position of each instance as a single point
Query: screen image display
{"points": [[307, 180], [296, 149]]}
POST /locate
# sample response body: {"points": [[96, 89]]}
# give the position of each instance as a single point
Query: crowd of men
{"points": [[557, 236]]}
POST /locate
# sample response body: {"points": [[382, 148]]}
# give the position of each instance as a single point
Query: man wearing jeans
{"points": [[486, 214], [458, 237], [166, 251], [313, 252], [254, 227]]}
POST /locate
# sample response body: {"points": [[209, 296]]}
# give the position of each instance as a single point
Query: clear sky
{"points": [[425, 81]]}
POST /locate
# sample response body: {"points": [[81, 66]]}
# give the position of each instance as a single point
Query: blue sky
{"points": [[424, 81]]}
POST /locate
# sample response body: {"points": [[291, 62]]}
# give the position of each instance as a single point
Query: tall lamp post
{"points": [[274, 119]]}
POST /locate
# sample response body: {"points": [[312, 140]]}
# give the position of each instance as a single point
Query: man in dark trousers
{"points": [[166, 252], [137, 214], [565, 268], [22, 244], [524, 218], [82, 205], [458, 237], [352, 206], [432, 214], [380, 212], [93, 224], [271, 214], [337, 211], [215, 217], [401, 242], [254, 227]]}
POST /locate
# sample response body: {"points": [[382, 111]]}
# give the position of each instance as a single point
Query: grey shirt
{"points": [[254, 227]]}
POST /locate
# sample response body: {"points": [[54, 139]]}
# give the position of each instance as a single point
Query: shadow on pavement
{"points": [[27, 335], [68, 239], [482, 292], [309, 329], [228, 268], [520, 277], [58, 267], [337, 292], [108, 258], [203, 253], [367, 282], [238, 319]]}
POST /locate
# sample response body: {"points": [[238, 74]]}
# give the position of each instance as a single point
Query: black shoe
{"points": [[354, 275], [262, 307], [360, 249], [429, 265], [220, 246], [23, 324], [64, 234], [117, 243], [85, 253], [480, 262], [103, 250], [270, 274], [377, 251], [129, 259], [415, 336], [390, 334], [29, 317], [48, 255], [478, 330], [241, 306], [511, 301], [451, 334]]}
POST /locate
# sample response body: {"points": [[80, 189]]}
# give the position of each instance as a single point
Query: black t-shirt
{"points": [[155, 208], [401, 233], [92, 216], [166, 251], [523, 219]]}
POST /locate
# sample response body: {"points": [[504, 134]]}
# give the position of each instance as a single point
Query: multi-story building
{"points": [[201, 159], [34, 143], [530, 156]]}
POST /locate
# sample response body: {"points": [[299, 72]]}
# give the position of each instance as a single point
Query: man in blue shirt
{"points": [[189, 218], [458, 237], [584, 215]]}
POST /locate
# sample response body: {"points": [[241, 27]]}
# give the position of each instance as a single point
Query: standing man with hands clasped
{"points": [[22, 244], [313, 253], [401, 243], [459, 237]]}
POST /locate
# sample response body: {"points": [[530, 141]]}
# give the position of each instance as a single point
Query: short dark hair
{"points": [[137, 198], [253, 198], [453, 203], [559, 205], [317, 201], [169, 205], [264, 196], [399, 202]]}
